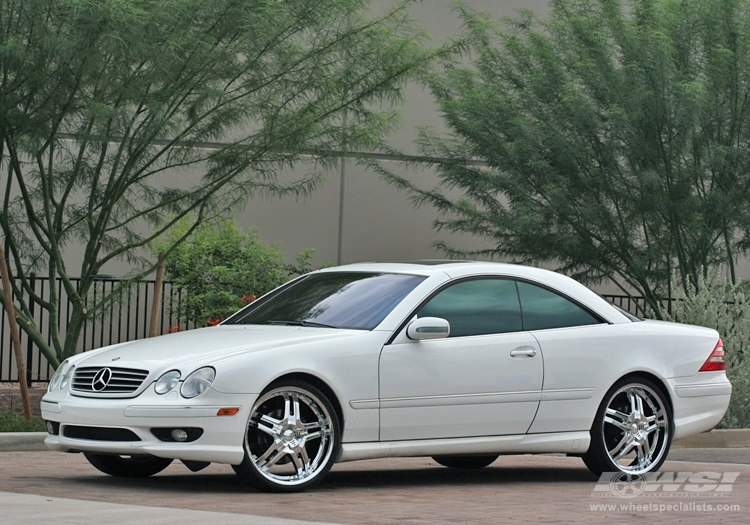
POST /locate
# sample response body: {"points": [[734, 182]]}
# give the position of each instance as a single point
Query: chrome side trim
{"points": [[462, 399], [565, 394], [360, 404]]}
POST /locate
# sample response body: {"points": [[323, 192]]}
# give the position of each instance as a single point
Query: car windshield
{"points": [[337, 300]]}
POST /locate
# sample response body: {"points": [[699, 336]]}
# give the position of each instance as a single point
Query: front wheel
{"points": [[128, 466], [291, 440], [466, 462], [632, 431]]}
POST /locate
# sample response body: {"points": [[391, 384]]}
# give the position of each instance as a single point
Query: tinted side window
{"points": [[480, 306], [543, 308]]}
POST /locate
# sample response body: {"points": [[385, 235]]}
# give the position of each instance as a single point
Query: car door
{"points": [[574, 341], [484, 379]]}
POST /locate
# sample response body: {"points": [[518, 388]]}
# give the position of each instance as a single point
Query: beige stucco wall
{"points": [[377, 222], [366, 219]]}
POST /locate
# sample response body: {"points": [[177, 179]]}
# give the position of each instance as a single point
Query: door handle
{"points": [[524, 351]]}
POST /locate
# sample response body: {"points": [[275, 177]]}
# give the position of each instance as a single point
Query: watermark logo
{"points": [[624, 485], [664, 484]]}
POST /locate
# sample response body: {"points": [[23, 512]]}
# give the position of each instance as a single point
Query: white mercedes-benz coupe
{"points": [[460, 361]]}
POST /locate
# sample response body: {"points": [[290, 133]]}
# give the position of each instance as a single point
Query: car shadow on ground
{"points": [[432, 477], [176, 480]]}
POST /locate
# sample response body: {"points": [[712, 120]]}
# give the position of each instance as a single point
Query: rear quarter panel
{"points": [[582, 363]]}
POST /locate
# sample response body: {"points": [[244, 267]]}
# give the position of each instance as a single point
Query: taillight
{"points": [[715, 361]]}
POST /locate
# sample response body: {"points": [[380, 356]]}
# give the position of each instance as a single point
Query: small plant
{"points": [[12, 421], [222, 268], [725, 307]]}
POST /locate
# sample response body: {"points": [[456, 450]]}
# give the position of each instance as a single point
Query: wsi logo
{"points": [[664, 484]]}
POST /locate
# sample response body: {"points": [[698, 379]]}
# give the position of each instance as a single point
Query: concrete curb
{"points": [[727, 438], [734, 438], [22, 441]]}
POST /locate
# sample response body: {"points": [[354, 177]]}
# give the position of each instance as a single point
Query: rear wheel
{"points": [[467, 462], [632, 431], [291, 440], [128, 466]]}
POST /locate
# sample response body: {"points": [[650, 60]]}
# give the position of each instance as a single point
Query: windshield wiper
{"points": [[300, 323]]}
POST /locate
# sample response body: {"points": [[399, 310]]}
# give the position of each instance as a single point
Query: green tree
{"points": [[611, 139], [222, 268], [118, 118]]}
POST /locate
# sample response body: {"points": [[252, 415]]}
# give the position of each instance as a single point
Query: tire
{"points": [[128, 466], [632, 431], [466, 462], [292, 438]]}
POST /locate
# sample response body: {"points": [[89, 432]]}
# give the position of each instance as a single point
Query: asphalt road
{"points": [[48, 487]]}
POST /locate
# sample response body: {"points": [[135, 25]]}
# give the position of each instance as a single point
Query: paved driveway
{"points": [[538, 489]]}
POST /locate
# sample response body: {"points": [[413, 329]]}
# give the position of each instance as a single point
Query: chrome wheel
{"points": [[632, 431], [291, 438]]}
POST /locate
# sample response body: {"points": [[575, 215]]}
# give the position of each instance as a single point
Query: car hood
{"points": [[207, 345]]}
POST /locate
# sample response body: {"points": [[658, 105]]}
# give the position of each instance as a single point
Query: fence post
{"points": [[29, 342]]}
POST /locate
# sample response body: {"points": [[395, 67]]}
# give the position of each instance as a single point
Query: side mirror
{"points": [[428, 328]]}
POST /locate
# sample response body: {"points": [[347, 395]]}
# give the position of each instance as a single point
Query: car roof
{"points": [[452, 269]]}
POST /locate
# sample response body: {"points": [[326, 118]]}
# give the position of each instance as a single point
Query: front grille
{"points": [[107, 380], [99, 433]]}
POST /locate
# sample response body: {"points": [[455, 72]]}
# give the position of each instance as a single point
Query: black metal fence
{"points": [[634, 305], [125, 320], [128, 319]]}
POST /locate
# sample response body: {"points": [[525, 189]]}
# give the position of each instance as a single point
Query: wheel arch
{"points": [[656, 380], [317, 383]]}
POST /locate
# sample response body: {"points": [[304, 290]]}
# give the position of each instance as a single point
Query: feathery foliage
{"points": [[118, 118], [611, 139]]}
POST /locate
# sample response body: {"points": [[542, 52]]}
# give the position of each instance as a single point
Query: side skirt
{"points": [[562, 442]]}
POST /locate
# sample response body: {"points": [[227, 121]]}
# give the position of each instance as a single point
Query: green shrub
{"points": [[12, 421], [725, 307], [222, 268]]}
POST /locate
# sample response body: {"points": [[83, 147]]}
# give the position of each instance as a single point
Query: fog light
{"points": [[179, 435], [53, 427]]}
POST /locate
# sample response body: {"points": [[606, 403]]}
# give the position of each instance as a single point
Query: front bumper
{"points": [[126, 426]]}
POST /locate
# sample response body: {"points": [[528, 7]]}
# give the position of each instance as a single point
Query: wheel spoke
{"points": [[639, 403], [623, 447], [646, 447], [617, 418], [271, 426], [301, 462], [269, 420], [271, 456], [287, 408]]}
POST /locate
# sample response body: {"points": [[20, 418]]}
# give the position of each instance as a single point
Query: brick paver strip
{"points": [[531, 489]]}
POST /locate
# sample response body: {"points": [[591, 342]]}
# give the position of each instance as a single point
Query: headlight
{"points": [[198, 382], [62, 373], [167, 382]]}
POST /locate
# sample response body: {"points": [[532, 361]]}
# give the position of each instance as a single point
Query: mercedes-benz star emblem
{"points": [[101, 379]]}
